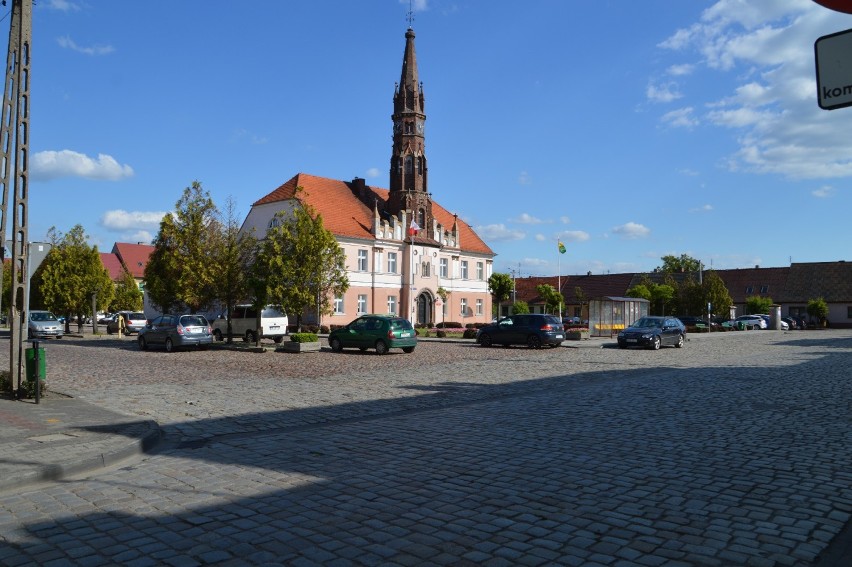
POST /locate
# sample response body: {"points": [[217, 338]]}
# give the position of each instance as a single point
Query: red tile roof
{"points": [[345, 214], [113, 265], [133, 256]]}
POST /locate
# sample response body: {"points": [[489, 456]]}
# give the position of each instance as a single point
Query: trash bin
{"points": [[31, 367], [741, 325]]}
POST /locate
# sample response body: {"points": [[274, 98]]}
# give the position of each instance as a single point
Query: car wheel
{"points": [[533, 341], [381, 347], [656, 344], [278, 340], [250, 337], [217, 334], [679, 343], [335, 344], [485, 340], [408, 349], [170, 346], [142, 344]]}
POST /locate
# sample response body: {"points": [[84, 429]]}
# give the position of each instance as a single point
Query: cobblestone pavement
{"points": [[735, 450]]}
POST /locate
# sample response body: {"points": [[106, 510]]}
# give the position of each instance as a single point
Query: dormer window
{"points": [[764, 289], [749, 289]]}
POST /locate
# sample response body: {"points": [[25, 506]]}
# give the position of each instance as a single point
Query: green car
{"points": [[381, 332]]}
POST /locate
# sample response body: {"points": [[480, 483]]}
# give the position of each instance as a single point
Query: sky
{"points": [[626, 130]]}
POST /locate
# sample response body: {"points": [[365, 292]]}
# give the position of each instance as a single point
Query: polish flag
{"points": [[412, 230]]}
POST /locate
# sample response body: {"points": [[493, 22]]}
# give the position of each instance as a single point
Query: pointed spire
{"points": [[410, 88]]}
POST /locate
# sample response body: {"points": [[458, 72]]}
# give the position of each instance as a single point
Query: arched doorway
{"points": [[425, 302]]}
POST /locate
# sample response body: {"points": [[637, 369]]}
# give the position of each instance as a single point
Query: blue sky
{"points": [[628, 130]]}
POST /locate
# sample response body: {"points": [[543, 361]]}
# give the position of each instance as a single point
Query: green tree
{"points": [[552, 299], [520, 307], [182, 271], [127, 295], [500, 286], [679, 264], [661, 297], [818, 309], [235, 254], [71, 273], [716, 294], [304, 266], [640, 291], [757, 304]]}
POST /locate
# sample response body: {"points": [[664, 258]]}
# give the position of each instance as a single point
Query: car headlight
{"points": [[647, 335], [621, 335]]}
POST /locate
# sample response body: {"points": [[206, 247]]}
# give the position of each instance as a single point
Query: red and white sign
{"points": [[838, 5]]}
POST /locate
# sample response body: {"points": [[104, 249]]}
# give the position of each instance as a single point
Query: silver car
{"points": [[176, 331], [44, 324]]}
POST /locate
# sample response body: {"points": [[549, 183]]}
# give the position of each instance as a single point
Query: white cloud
{"points": [[499, 233], [524, 178], [49, 165], [125, 220], [63, 6], [663, 93], [243, 134], [373, 173], [824, 191], [632, 230], [681, 118], [525, 218], [565, 220], [68, 43], [141, 236], [680, 70], [540, 237], [701, 209], [574, 236]]}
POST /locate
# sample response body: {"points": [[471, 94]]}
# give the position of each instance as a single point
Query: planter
{"points": [[298, 347], [576, 335]]}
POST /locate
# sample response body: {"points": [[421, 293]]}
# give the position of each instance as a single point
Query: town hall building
{"points": [[405, 254]]}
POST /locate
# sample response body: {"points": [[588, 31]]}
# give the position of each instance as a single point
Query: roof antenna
{"points": [[410, 15]]}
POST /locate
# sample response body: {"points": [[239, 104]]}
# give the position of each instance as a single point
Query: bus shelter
{"points": [[609, 315]]}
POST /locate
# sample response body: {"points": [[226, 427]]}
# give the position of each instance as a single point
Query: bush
{"points": [[304, 337], [448, 325], [469, 334], [324, 329], [470, 326], [441, 334]]}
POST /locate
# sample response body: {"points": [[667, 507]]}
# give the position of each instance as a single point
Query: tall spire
{"points": [[410, 86]]}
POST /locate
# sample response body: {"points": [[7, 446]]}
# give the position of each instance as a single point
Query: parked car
{"points": [[134, 321], [752, 321], [43, 324], [104, 318], [273, 323], [381, 332], [690, 321], [532, 329], [176, 331], [653, 332], [791, 323]]}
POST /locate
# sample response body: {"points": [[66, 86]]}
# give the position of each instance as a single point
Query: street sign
{"points": [[838, 5], [834, 70]]}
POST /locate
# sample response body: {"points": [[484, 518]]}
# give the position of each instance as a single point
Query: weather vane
{"points": [[410, 15]]}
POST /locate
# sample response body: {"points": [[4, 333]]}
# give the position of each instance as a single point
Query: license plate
{"points": [[631, 340], [404, 335], [190, 330], [274, 327], [558, 336]]}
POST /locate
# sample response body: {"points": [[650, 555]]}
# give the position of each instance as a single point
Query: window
{"points": [[392, 262], [480, 271], [362, 260], [273, 223], [426, 269], [392, 304], [749, 289], [479, 307], [764, 289], [464, 269], [464, 307], [338, 305], [409, 165], [443, 267], [362, 304]]}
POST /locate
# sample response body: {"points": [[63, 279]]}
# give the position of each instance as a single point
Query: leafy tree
{"points": [[661, 296], [71, 273], [758, 304], [679, 264], [716, 293], [520, 307], [235, 253], [304, 266], [552, 299], [818, 309], [127, 295], [500, 286], [581, 297], [640, 291], [182, 270]]}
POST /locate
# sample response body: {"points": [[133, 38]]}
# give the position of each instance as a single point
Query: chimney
{"points": [[359, 187]]}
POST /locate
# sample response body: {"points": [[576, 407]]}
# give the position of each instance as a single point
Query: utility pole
{"points": [[15, 139]]}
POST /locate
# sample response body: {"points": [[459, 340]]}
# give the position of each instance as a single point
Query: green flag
{"points": [[561, 247]]}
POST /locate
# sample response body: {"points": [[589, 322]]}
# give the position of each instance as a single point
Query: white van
{"points": [[273, 322]]}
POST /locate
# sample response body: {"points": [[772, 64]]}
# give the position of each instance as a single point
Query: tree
{"points": [[682, 264], [303, 264], [127, 295], [182, 271], [552, 298], [640, 291], [500, 286], [71, 273], [757, 304], [716, 294], [818, 309], [520, 307], [234, 254], [661, 295]]}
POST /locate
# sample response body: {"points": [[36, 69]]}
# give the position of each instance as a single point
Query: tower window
{"points": [[409, 128], [409, 164]]}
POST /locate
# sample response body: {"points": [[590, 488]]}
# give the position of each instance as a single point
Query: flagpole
{"points": [[559, 277]]}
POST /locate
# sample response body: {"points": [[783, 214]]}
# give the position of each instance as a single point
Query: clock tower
{"points": [[408, 166]]}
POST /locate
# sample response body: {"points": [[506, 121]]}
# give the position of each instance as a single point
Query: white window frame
{"points": [[392, 305], [445, 267], [362, 260], [362, 303], [479, 306], [463, 305], [464, 269], [338, 305], [480, 271], [391, 262]]}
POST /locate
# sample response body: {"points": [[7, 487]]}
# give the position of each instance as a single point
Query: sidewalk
{"points": [[62, 436]]}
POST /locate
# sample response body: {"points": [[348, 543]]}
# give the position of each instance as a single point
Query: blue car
{"points": [[653, 332]]}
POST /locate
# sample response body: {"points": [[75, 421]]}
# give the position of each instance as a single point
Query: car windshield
{"points": [[42, 316], [271, 311], [401, 324], [647, 323], [193, 321], [135, 316]]}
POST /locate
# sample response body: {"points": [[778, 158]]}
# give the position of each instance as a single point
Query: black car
{"points": [[653, 332], [533, 330]]}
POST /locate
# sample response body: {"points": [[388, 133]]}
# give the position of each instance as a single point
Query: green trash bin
{"points": [[31, 367], [741, 325]]}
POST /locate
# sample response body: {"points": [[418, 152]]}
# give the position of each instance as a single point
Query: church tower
{"points": [[408, 168]]}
